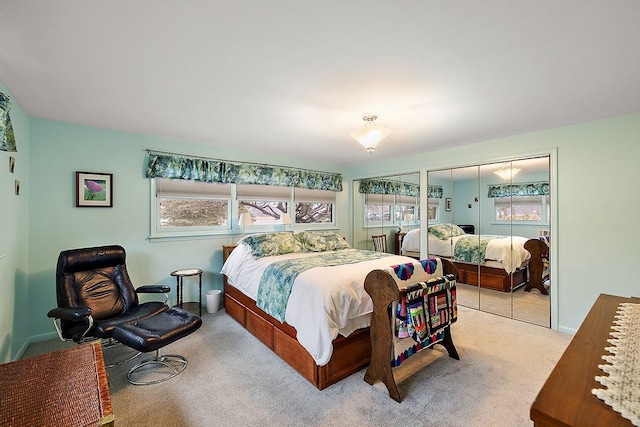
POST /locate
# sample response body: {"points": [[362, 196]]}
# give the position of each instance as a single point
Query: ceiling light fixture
{"points": [[370, 134], [507, 173]]}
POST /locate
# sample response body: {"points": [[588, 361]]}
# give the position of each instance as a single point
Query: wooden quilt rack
{"points": [[384, 291]]}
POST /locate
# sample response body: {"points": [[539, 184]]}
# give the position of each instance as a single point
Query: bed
{"points": [[323, 329], [501, 268]]}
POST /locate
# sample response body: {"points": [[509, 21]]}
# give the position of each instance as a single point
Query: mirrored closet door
{"points": [[482, 216], [385, 208]]}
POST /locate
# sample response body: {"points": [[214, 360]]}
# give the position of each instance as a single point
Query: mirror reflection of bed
{"points": [[505, 214]]}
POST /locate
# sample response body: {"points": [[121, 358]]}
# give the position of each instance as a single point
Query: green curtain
{"points": [[384, 186], [174, 166], [527, 189], [7, 137]]}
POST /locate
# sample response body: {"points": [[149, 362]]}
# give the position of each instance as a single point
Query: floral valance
{"points": [[384, 186], [526, 189], [7, 138], [175, 166]]}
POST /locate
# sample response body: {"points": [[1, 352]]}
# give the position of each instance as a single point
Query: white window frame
{"points": [[303, 195], [156, 231], [232, 227], [504, 201]]}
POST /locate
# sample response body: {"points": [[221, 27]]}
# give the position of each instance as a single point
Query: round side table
{"points": [[180, 275]]}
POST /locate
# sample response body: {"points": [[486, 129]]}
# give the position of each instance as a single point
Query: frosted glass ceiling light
{"points": [[370, 134], [507, 173]]}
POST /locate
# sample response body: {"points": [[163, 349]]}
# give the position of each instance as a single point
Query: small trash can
{"points": [[213, 300]]}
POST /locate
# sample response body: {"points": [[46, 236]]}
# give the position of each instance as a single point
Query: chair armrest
{"points": [[69, 313], [154, 289]]}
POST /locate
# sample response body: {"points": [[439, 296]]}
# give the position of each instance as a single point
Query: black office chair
{"points": [[96, 300]]}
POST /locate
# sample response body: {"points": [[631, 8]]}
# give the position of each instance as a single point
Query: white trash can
{"points": [[213, 300]]}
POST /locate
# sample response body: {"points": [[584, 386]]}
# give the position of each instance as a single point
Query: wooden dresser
{"points": [[566, 398]]}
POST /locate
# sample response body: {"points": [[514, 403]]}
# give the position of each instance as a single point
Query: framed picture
{"points": [[447, 204], [94, 189]]}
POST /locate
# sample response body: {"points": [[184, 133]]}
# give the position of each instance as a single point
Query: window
{"points": [[193, 208], [389, 210], [432, 209], [405, 209], [314, 206], [522, 209], [187, 207], [378, 208], [265, 203]]}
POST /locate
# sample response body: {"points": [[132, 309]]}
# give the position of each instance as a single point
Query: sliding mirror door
{"points": [[495, 246], [453, 225], [531, 219], [500, 207], [385, 206]]}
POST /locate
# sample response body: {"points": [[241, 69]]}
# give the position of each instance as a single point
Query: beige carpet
{"points": [[532, 307], [233, 379]]}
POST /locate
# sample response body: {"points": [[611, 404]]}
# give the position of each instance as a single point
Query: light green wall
{"points": [[58, 151], [596, 162], [596, 239], [14, 229]]}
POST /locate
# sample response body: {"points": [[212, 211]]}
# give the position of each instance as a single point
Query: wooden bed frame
{"points": [[350, 354], [495, 278]]}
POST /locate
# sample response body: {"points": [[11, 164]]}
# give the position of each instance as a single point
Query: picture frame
{"points": [[94, 189], [447, 204]]}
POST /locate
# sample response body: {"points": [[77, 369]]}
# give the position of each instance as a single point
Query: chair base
{"points": [[160, 368], [111, 350]]}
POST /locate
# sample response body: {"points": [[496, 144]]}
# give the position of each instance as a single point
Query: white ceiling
{"points": [[294, 77]]}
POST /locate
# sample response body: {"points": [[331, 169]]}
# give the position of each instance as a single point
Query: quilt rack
{"points": [[385, 291]]}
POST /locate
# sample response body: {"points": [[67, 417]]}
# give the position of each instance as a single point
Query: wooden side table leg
{"points": [[200, 295], [178, 292]]}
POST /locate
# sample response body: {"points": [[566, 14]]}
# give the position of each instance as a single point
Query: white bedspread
{"points": [[324, 301], [497, 249]]}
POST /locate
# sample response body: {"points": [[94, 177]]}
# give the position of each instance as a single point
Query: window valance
{"points": [[525, 189], [383, 186], [177, 166], [7, 138]]}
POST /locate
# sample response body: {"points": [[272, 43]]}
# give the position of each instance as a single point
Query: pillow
{"points": [[270, 244], [446, 231], [320, 241]]}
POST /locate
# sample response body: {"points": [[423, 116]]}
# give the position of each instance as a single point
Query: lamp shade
{"points": [[245, 219], [370, 134], [285, 219]]}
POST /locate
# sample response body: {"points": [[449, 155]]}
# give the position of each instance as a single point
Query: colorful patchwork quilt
{"points": [[425, 308]]}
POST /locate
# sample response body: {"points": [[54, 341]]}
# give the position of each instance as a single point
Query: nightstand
{"points": [[180, 275]]}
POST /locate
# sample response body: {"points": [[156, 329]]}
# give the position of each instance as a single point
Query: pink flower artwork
{"points": [[94, 186], [93, 190]]}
